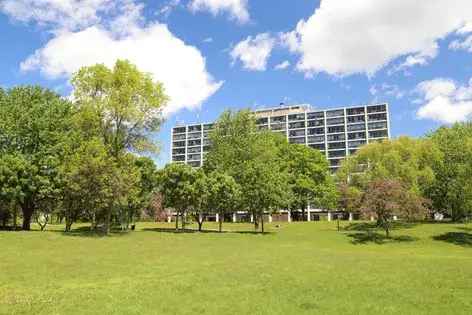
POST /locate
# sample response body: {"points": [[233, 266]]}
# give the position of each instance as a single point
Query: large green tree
{"points": [[309, 177], [127, 102], [176, 185], [452, 191], [252, 159], [33, 125]]}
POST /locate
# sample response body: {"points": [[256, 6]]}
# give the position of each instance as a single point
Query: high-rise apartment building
{"points": [[337, 133]]}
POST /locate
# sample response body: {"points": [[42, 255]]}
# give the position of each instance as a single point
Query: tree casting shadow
{"points": [[172, 230], [457, 238], [377, 238]]}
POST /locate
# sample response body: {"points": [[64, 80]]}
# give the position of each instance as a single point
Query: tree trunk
{"points": [[15, 216], [256, 223], [262, 222], [176, 221], [27, 209], [183, 220], [303, 213], [108, 222], [200, 224], [220, 222]]}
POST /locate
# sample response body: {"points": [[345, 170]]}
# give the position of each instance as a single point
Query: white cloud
{"points": [[386, 90], [237, 9], [86, 32], [283, 65], [347, 37], [168, 8], [443, 101], [208, 40], [70, 14], [153, 49], [254, 52], [465, 44]]}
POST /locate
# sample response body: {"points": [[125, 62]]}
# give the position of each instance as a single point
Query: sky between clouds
{"points": [[217, 54]]}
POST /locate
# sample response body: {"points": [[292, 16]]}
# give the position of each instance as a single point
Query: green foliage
{"points": [[309, 177], [385, 198], [176, 185], [253, 159], [452, 191], [127, 102], [34, 124]]}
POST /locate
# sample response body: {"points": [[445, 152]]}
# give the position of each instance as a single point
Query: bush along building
{"points": [[337, 133]]}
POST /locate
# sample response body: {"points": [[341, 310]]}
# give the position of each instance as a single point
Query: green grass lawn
{"points": [[298, 268]]}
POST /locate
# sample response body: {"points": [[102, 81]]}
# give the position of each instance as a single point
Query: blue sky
{"points": [[217, 54]]}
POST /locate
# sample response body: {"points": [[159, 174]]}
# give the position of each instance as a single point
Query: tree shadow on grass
{"points": [[173, 230], [377, 238], [457, 238], [86, 231], [365, 226]]}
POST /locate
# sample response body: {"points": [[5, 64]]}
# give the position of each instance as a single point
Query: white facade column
{"points": [[252, 218], [350, 216], [270, 218], [234, 217], [289, 217], [169, 219], [309, 215], [329, 216], [217, 217]]}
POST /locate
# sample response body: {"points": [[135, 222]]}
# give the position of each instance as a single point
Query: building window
{"points": [[297, 140], [195, 128], [378, 134], [316, 131], [262, 121], [208, 126], [297, 133], [377, 108], [179, 144], [336, 145], [356, 144], [335, 113], [355, 111], [277, 119], [335, 121], [336, 129], [294, 125], [179, 130], [197, 135], [375, 117], [356, 135], [194, 150], [339, 153], [338, 137], [315, 123], [313, 139], [194, 142], [356, 127], [296, 117], [278, 126], [179, 137], [178, 158], [378, 125], [178, 151], [315, 115], [356, 119]]}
